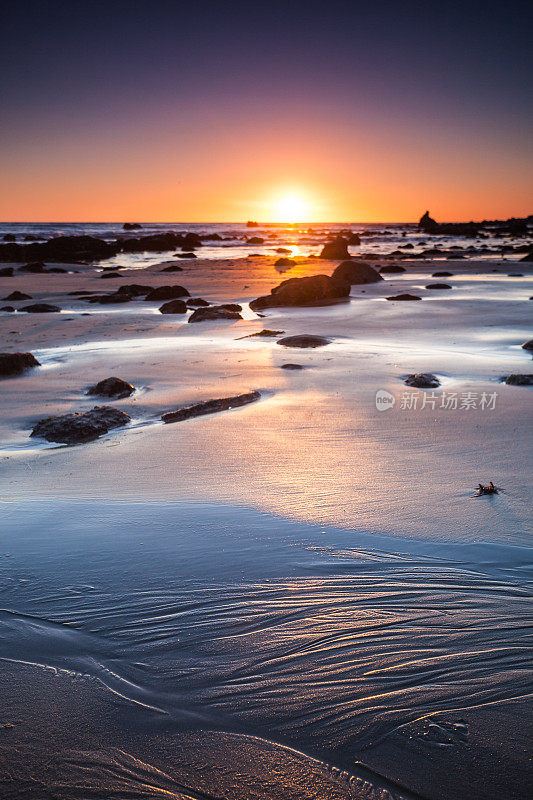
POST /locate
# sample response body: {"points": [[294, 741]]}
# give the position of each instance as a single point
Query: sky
{"points": [[220, 111]]}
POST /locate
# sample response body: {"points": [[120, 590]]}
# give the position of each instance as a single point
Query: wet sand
{"points": [[298, 598]]}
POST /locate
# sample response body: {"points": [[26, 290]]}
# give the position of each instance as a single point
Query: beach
{"points": [[300, 597]]}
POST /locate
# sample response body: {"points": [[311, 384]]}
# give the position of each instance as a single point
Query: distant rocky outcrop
{"points": [[210, 407], [131, 226], [404, 297], [16, 363], [355, 272], [76, 428], [312, 290], [111, 387], [18, 296], [336, 249]]}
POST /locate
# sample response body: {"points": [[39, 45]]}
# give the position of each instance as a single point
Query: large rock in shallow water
{"points": [[314, 290], [336, 249], [40, 308], [210, 407], [112, 387], [16, 363], [76, 428], [353, 272]]}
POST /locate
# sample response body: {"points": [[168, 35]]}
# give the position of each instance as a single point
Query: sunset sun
{"points": [[290, 208]]}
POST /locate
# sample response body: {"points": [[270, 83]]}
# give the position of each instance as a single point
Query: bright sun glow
{"points": [[290, 208]]}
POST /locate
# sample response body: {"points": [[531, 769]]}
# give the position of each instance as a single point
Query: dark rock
{"points": [[40, 308], [131, 226], [422, 380], [255, 240], [336, 249], [18, 296], [304, 340], [184, 255], [285, 262], [292, 366], [442, 274], [264, 333], [197, 302], [166, 293], [110, 299], [231, 306], [354, 238], [519, 380], [36, 267], [134, 289], [404, 297], [392, 269], [57, 269], [213, 313], [16, 363], [172, 268], [9, 237], [76, 428], [110, 275], [529, 257], [427, 224], [313, 290], [174, 307], [111, 387], [210, 407], [283, 250], [7, 308], [355, 272], [6, 272], [515, 275], [528, 345], [438, 286]]}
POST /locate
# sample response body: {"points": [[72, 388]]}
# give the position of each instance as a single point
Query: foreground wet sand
{"points": [[334, 614]]}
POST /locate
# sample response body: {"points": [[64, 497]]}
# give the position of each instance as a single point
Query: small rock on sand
{"points": [[392, 269], [166, 293], [76, 428], [213, 313], [422, 380], [292, 366], [210, 407], [172, 268], [111, 387], [16, 363], [18, 296], [438, 286], [442, 274], [174, 307], [264, 333], [6, 272], [40, 308], [336, 249], [285, 262], [7, 308], [519, 380], [36, 267], [356, 272], [304, 340], [404, 297]]}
